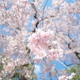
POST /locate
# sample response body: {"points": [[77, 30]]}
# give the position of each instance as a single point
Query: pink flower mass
{"points": [[41, 44], [39, 32]]}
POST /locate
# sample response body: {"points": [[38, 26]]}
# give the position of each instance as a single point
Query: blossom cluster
{"points": [[65, 77], [44, 44]]}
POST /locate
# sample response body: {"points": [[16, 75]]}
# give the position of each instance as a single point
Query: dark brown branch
{"points": [[77, 55], [35, 16]]}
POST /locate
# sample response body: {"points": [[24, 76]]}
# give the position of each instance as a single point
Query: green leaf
{"points": [[75, 69], [1, 67]]}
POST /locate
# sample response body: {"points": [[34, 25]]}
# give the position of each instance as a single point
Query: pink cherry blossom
{"points": [[32, 31]]}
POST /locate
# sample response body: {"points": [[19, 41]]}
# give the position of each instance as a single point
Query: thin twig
{"points": [[62, 64], [43, 12]]}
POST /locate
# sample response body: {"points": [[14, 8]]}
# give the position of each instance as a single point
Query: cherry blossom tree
{"points": [[33, 32]]}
